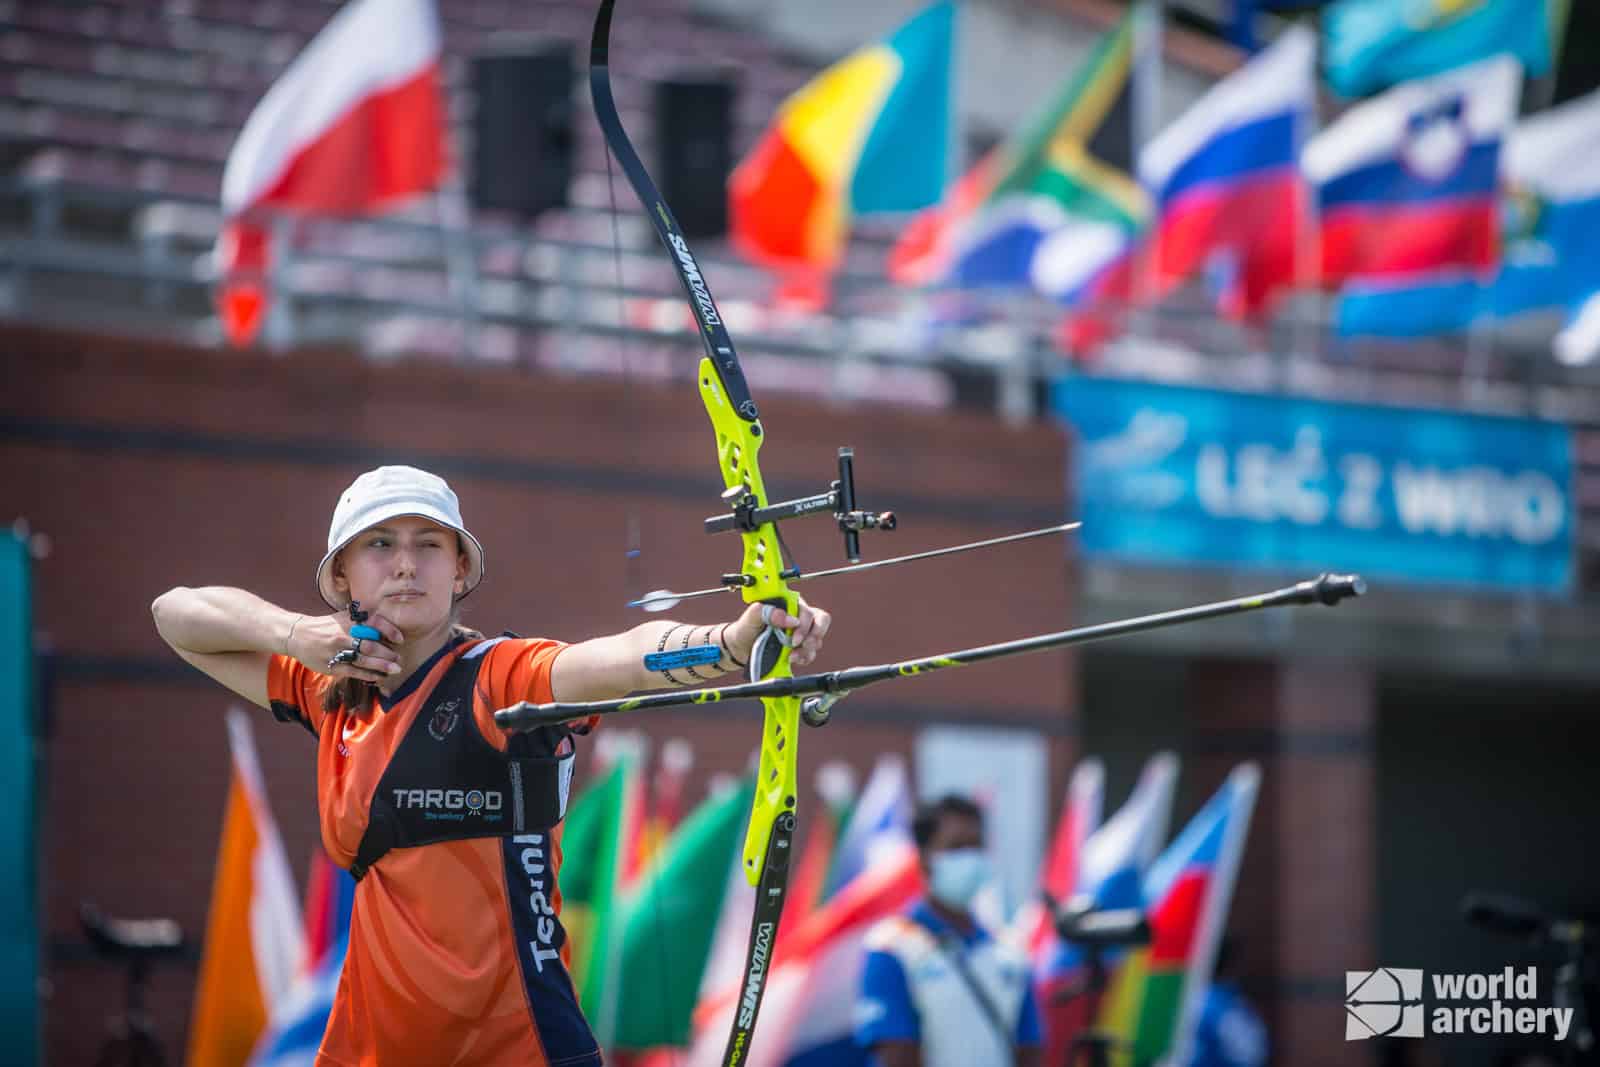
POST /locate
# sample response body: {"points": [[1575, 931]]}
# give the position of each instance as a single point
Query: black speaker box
{"points": [[694, 151], [522, 146]]}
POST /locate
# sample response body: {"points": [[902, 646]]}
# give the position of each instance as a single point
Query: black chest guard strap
{"points": [[446, 783]]}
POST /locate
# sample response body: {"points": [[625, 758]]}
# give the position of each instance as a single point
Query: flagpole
{"points": [[1148, 74], [453, 216]]}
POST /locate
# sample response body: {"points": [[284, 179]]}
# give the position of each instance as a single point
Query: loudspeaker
{"points": [[522, 145], [694, 151]]}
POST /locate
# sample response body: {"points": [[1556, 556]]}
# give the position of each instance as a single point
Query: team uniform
{"points": [[913, 989], [457, 954]]}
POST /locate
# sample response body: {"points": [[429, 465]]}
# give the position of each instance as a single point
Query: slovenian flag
{"points": [[1406, 188], [1156, 996], [869, 135], [1066, 178], [356, 124]]}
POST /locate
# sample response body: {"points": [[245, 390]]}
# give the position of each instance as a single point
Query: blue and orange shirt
{"points": [[457, 954]]}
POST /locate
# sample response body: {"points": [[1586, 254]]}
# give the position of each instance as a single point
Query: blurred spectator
{"points": [[936, 989], [1229, 1033]]}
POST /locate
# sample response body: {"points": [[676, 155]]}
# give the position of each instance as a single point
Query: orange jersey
{"points": [[457, 954]]}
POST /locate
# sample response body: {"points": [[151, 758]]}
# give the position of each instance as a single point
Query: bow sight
{"points": [[748, 514]]}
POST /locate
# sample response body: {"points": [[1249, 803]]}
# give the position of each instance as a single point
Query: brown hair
{"points": [[356, 693]]}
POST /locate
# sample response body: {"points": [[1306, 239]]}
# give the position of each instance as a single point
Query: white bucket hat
{"points": [[388, 493]]}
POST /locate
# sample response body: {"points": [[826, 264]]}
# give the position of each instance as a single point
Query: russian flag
{"points": [[1406, 182], [356, 123], [1225, 178]]}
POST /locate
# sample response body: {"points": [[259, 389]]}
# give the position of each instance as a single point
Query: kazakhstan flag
{"points": [[1370, 45]]}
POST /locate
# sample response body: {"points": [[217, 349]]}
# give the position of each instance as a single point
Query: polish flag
{"points": [[354, 125]]}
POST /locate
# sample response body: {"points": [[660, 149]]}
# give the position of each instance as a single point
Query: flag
{"points": [[1228, 197], [879, 825], [1058, 876], [1226, 180], [1110, 868], [253, 933], [836, 785], [592, 843], [294, 1037], [356, 123], [1068, 172], [1406, 188], [1156, 995], [669, 921], [1553, 197], [654, 823], [1370, 45], [807, 1014], [868, 135], [293, 1040], [330, 897]]}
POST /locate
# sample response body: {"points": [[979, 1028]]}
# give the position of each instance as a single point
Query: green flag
{"points": [[670, 919], [591, 864]]}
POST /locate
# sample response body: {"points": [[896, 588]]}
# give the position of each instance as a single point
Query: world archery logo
{"points": [[1386, 1002]]}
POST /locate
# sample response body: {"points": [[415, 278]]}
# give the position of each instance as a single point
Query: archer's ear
{"points": [[341, 584], [463, 568]]}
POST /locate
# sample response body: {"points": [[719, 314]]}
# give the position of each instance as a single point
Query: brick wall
{"points": [[150, 466]]}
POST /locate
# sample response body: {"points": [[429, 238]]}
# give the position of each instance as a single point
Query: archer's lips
{"points": [[406, 594]]}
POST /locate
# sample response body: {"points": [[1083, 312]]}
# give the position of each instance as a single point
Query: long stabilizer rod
{"points": [[829, 686]]}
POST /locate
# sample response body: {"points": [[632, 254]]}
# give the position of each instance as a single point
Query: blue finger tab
{"points": [[699, 655], [365, 633]]}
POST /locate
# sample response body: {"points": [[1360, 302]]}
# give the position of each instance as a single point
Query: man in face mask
{"points": [[936, 989]]}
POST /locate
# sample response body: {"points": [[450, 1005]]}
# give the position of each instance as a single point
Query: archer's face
{"points": [[408, 568]]}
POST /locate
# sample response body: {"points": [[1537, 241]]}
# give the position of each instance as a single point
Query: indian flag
{"points": [[254, 940], [1155, 1000]]}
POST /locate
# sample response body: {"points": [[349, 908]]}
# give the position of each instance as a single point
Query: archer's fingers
{"points": [[391, 633], [366, 668], [377, 652]]}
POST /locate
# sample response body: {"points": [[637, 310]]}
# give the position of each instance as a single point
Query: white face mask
{"points": [[956, 875]]}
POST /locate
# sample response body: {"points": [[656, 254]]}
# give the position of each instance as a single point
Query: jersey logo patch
{"points": [[444, 720]]}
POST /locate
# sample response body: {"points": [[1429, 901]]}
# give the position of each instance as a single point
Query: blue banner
{"points": [[1172, 475]]}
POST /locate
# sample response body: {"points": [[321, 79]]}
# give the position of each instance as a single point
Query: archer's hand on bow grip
{"points": [[805, 631]]}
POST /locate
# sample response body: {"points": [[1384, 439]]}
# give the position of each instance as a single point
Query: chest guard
{"points": [[446, 783]]}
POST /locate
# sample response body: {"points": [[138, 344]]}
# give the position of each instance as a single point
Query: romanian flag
{"points": [[1056, 203], [871, 134], [1155, 999], [253, 934]]}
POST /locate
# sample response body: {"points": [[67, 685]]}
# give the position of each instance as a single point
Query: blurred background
{"points": [[1254, 289]]}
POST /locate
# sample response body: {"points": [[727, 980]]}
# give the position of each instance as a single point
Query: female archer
{"points": [[456, 952]]}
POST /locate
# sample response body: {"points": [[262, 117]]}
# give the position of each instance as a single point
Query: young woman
{"points": [[456, 953]]}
